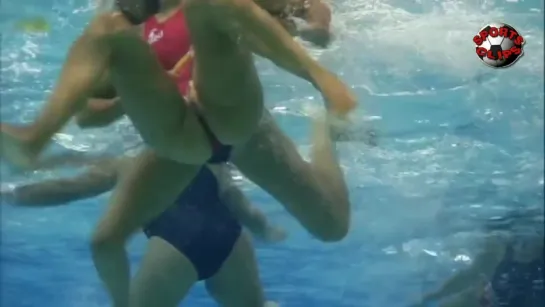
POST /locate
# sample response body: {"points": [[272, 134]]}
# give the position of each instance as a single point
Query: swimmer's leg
{"points": [[152, 100], [315, 193], [55, 192], [146, 187], [233, 106], [237, 283], [111, 50], [164, 277], [83, 74]]}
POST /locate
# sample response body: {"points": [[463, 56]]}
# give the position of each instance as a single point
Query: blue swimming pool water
{"points": [[459, 143]]}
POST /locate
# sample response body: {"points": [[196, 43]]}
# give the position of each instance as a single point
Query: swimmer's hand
{"points": [[315, 34]]}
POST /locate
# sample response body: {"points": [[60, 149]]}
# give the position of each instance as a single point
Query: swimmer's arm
{"points": [[49, 193], [100, 113], [483, 266]]}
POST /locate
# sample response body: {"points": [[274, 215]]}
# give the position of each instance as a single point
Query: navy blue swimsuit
{"points": [[199, 224]]}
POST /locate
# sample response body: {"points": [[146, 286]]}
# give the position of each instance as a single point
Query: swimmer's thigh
{"points": [[147, 186], [226, 80], [164, 277], [152, 101], [237, 283]]}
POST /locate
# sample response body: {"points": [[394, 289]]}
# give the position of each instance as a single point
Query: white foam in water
{"points": [[440, 38]]}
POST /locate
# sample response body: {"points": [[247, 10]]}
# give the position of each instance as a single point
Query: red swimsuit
{"points": [[170, 41]]}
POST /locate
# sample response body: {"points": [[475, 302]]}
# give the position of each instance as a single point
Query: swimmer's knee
{"points": [[335, 232], [335, 227], [237, 133], [107, 239], [230, 130]]}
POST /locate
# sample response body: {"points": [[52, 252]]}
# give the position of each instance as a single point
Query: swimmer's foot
{"points": [[16, 146], [271, 304]]}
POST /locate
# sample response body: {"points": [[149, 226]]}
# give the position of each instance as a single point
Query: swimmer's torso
{"points": [[170, 40]]}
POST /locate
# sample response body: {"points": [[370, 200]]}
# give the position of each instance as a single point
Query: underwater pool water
{"points": [[458, 140]]}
